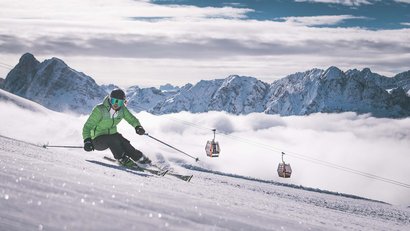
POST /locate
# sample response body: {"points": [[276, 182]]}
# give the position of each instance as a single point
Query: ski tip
{"points": [[187, 178], [162, 173]]}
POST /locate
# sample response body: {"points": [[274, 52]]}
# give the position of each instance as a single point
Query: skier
{"points": [[100, 130]]}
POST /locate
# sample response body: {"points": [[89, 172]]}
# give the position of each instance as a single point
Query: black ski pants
{"points": [[118, 145]]}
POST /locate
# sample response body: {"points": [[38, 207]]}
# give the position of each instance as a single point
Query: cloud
{"points": [[403, 1], [105, 11], [251, 146], [341, 2], [208, 39], [320, 20]]}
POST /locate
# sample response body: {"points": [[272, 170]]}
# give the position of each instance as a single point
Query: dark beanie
{"points": [[118, 94]]}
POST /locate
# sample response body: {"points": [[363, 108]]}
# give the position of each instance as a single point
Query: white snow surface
{"points": [[70, 189], [49, 189]]}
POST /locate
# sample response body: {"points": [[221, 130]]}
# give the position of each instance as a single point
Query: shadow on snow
{"points": [[139, 173]]}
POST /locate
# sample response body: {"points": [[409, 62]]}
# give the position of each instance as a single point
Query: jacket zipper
{"points": [[113, 121]]}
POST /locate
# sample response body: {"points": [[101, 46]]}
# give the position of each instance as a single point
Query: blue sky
{"points": [[370, 14], [149, 43]]}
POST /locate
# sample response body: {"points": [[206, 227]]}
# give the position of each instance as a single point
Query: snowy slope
{"points": [[45, 189], [11, 99]]}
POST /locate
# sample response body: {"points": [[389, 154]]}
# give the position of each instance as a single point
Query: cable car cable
{"points": [[320, 162]]}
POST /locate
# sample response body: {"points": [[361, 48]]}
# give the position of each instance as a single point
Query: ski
{"points": [[159, 172], [186, 178], [140, 169]]}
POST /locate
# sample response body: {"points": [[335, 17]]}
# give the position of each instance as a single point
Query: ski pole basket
{"points": [[284, 170], [212, 147]]}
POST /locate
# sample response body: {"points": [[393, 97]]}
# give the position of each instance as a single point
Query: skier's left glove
{"points": [[139, 130]]}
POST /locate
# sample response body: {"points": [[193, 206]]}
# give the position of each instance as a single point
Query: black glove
{"points": [[88, 145], [139, 130]]}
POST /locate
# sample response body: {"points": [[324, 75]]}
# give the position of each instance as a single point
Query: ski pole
{"points": [[162, 142], [61, 146]]}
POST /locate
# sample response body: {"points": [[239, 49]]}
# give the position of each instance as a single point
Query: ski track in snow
{"points": [[49, 189]]}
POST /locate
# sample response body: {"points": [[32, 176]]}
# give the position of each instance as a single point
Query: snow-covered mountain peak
{"points": [[230, 79], [352, 72], [27, 63], [168, 88], [53, 84], [239, 94], [236, 80], [314, 71], [313, 74], [299, 78], [55, 61], [366, 71], [333, 73], [405, 74], [28, 58]]}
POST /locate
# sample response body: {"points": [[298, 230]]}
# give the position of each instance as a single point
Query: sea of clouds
{"points": [[322, 149]]}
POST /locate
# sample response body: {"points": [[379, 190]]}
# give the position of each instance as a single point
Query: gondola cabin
{"points": [[284, 170], [212, 147]]}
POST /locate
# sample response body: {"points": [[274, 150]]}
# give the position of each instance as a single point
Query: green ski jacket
{"points": [[100, 121]]}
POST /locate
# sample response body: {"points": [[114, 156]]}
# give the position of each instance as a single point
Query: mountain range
{"points": [[53, 84]]}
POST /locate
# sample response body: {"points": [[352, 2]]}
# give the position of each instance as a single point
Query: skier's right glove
{"points": [[88, 145], [139, 130]]}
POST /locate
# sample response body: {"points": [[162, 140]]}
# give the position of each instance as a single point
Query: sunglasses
{"points": [[119, 102]]}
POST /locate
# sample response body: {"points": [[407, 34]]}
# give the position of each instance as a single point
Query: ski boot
{"points": [[144, 160], [126, 162]]}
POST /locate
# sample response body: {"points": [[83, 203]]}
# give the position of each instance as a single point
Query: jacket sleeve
{"points": [[92, 122], [130, 118]]}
